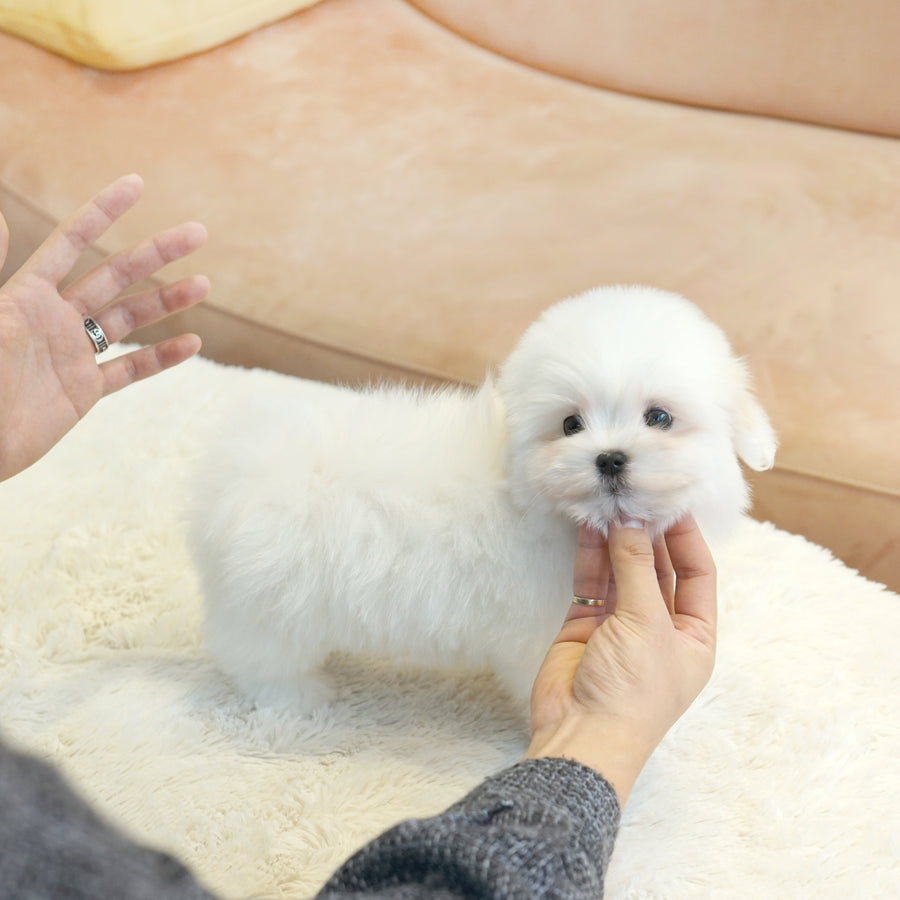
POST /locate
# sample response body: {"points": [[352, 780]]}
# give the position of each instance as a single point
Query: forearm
{"points": [[616, 750], [542, 828]]}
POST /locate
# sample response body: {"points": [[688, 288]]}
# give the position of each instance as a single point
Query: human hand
{"points": [[619, 676], [49, 374], [4, 240]]}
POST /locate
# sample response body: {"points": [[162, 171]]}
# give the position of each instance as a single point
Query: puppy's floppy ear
{"points": [[754, 438]]}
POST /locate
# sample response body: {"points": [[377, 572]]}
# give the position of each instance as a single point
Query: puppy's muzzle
{"points": [[612, 465]]}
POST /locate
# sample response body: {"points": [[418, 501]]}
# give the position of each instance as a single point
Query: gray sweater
{"points": [[543, 828]]}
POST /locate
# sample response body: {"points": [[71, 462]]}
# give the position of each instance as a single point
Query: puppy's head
{"points": [[628, 403]]}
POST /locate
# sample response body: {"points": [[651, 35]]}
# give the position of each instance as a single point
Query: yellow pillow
{"points": [[125, 34]]}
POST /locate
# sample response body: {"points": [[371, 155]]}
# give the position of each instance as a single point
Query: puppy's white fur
{"points": [[439, 527]]}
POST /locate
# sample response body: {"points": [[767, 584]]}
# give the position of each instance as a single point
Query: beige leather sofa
{"points": [[396, 190]]}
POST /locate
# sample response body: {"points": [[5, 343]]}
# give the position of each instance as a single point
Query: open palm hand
{"points": [[49, 374]]}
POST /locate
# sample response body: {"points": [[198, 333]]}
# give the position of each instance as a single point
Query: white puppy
{"points": [[439, 527]]}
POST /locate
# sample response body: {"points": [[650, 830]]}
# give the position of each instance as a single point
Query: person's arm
{"points": [[53, 846], [614, 682], [543, 828], [49, 375]]}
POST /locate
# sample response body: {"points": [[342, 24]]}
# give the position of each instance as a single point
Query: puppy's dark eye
{"points": [[572, 425], [658, 418]]}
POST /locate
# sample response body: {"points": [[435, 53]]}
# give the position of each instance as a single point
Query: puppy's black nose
{"points": [[612, 463]]}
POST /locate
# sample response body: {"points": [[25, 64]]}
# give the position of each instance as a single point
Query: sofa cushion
{"points": [[110, 34], [833, 61]]}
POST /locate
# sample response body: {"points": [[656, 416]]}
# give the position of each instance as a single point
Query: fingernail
{"points": [[632, 523]]}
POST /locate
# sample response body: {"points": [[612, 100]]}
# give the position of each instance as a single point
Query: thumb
{"points": [[633, 568], [591, 577]]}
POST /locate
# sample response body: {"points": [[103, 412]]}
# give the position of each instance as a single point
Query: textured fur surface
{"points": [[782, 780], [439, 527]]}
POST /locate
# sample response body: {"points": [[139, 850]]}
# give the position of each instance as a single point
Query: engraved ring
{"points": [[96, 334]]}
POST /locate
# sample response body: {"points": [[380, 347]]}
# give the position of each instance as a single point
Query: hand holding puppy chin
{"points": [[619, 676]]}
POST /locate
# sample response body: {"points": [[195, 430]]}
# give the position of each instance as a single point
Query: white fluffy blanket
{"points": [[782, 781]]}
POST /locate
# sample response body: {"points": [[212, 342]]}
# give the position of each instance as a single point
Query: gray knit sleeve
{"points": [[53, 847], [543, 828]]}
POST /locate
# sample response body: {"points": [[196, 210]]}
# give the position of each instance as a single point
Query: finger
{"points": [[695, 573], [119, 319], [124, 370], [4, 240], [634, 569], [580, 624], [591, 575], [105, 282], [54, 259], [665, 573]]}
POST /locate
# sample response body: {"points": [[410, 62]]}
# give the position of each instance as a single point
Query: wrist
{"points": [[613, 749]]}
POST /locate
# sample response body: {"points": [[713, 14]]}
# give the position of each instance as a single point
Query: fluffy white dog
{"points": [[439, 527]]}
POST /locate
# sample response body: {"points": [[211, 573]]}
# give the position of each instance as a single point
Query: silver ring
{"points": [[587, 601], [96, 334]]}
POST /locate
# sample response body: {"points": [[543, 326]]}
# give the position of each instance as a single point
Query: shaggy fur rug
{"points": [[783, 780]]}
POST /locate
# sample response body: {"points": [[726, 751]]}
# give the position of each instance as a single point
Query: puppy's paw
{"points": [[303, 696]]}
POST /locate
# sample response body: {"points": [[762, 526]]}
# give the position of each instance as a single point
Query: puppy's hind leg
{"points": [[271, 670], [302, 693]]}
